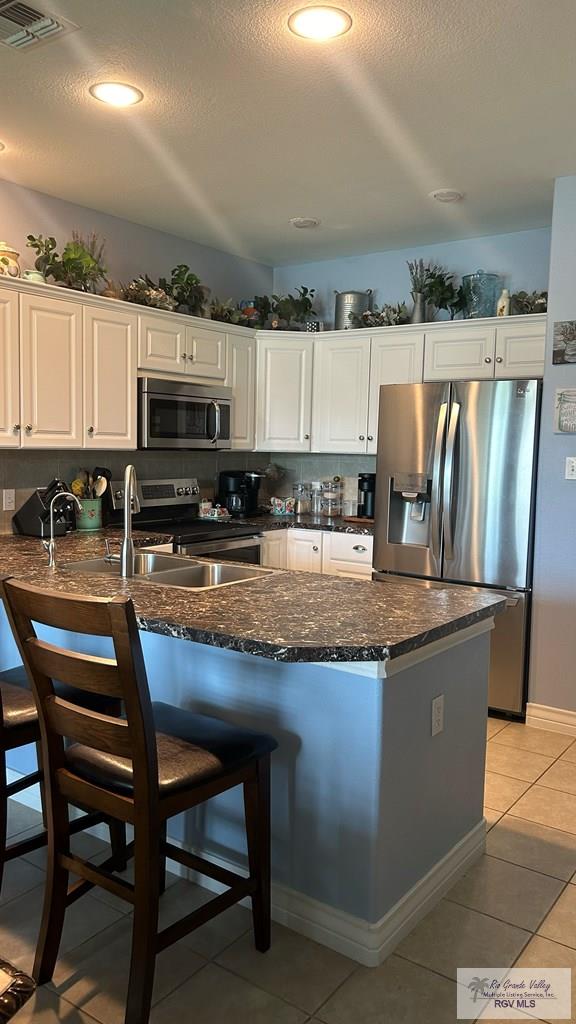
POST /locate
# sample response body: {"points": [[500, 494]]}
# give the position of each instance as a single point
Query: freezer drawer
{"points": [[508, 648]]}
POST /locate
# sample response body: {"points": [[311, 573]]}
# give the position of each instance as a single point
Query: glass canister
{"points": [[482, 291], [331, 498], [301, 493], [567, 411], [316, 497]]}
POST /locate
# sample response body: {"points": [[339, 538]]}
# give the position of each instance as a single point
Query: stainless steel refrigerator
{"points": [[455, 491]]}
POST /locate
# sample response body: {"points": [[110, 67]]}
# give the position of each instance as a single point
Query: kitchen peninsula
{"points": [[373, 817]]}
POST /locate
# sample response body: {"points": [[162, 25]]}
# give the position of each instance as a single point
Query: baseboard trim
{"points": [[367, 943], [554, 719]]}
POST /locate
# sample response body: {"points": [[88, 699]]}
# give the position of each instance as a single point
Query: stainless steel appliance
{"points": [[178, 414], [238, 491], [171, 506], [455, 502], [366, 491]]}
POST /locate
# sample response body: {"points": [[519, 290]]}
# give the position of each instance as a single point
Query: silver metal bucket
{"points": [[347, 303]]}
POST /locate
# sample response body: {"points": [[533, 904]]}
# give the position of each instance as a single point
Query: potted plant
{"points": [[189, 294], [144, 292], [388, 316], [421, 274], [290, 310], [79, 267]]}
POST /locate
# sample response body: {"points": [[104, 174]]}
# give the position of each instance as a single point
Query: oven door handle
{"points": [[199, 549], [217, 425]]}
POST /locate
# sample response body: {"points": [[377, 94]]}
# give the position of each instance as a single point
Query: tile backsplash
{"points": [[26, 470]]}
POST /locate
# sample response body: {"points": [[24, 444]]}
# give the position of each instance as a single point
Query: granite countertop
{"points": [[333, 524], [286, 616]]}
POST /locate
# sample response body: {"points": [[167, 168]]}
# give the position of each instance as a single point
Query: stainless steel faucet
{"points": [[50, 545], [131, 504]]}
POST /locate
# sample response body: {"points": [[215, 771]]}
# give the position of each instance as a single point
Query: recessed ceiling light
{"points": [[320, 23], [305, 222], [446, 195], [117, 94]]}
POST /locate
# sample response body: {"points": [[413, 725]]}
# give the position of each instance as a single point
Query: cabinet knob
{"points": [[370, 437], [191, 357], [499, 359], [306, 437], [16, 428], [361, 437], [360, 548], [28, 428], [184, 355], [315, 547], [90, 430], [488, 359]]}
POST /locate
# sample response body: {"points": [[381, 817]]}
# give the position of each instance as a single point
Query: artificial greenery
{"points": [[528, 302], [421, 276], [145, 292], [80, 266], [189, 294], [388, 316], [290, 308]]}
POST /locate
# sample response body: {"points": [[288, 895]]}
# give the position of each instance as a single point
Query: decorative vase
{"points": [[9, 265], [90, 518], [418, 315]]}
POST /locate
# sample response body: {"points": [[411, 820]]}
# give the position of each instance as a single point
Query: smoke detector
{"points": [[446, 195], [305, 222], [23, 26]]}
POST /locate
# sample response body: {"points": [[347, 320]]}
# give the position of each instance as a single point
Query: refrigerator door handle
{"points": [[435, 499], [448, 496]]}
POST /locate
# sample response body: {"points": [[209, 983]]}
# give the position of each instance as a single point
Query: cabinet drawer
{"points": [[347, 553]]}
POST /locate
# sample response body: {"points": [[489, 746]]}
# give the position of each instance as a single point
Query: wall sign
{"points": [[564, 342]]}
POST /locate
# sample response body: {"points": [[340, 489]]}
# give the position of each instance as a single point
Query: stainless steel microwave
{"points": [[175, 414]]}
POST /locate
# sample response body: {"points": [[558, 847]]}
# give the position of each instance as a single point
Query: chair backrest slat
{"points": [[101, 732], [84, 671], [66, 611]]}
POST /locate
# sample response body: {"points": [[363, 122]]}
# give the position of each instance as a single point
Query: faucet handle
{"points": [[135, 503]]}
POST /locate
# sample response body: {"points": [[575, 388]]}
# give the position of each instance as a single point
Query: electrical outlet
{"points": [[438, 715], [570, 471], [8, 499]]}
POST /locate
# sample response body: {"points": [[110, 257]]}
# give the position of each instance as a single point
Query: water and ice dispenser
{"points": [[409, 511]]}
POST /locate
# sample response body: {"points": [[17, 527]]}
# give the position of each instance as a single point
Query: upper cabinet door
{"points": [[520, 350], [460, 352], [284, 393], [242, 379], [206, 352], [9, 370], [161, 344], [340, 395], [396, 358], [110, 379], [51, 372]]}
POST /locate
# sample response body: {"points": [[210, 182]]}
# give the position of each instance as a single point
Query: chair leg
{"points": [[257, 812], [118, 843], [3, 813], [145, 924], [162, 880], [54, 894]]}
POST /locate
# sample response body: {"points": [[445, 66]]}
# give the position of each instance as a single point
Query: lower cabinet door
{"points": [[304, 550], [273, 552]]}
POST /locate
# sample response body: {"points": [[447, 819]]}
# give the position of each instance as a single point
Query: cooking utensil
{"points": [[99, 486]]}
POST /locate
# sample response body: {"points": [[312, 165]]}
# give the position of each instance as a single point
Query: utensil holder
{"points": [[90, 518]]}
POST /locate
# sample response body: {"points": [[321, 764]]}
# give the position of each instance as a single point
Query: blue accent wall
{"points": [[522, 258]]}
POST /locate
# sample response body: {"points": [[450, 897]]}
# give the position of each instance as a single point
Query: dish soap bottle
{"points": [[503, 304]]}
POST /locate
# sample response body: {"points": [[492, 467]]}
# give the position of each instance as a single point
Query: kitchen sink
{"points": [[145, 564], [206, 575], [173, 571]]}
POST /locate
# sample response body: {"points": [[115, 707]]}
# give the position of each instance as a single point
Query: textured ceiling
{"points": [[244, 125]]}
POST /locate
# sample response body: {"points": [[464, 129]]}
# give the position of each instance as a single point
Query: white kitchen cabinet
{"points": [[161, 344], [51, 372], [110, 357], [460, 352], [206, 353], [274, 551], [520, 350], [304, 550], [347, 554], [395, 358], [284, 393], [340, 394], [9, 370], [242, 379]]}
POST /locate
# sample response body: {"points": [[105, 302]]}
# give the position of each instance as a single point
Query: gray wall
{"points": [[553, 668], [521, 258], [131, 249]]}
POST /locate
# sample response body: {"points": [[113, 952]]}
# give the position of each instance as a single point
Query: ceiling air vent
{"points": [[23, 26]]}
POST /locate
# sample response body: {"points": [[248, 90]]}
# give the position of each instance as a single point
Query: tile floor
{"points": [[516, 905]]}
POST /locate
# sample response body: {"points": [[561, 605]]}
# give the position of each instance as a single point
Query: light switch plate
{"points": [[438, 715], [570, 471], [8, 499]]}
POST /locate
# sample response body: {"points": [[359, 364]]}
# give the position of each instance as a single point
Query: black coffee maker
{"points": [[238, 491], [366, 491]]}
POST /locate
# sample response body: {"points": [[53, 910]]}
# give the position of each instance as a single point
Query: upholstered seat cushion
{"points": [[191, 749], [18, 705]]}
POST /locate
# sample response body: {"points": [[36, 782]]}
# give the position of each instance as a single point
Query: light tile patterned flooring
{"points": [[516, 905]]}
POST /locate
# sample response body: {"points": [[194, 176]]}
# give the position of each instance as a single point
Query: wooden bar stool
{"points": [[19, 726], [156, 762]]}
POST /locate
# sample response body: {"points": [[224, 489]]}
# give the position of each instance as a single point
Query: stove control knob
{"points": [[180, 491], [118, 495], [195, 489]]}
